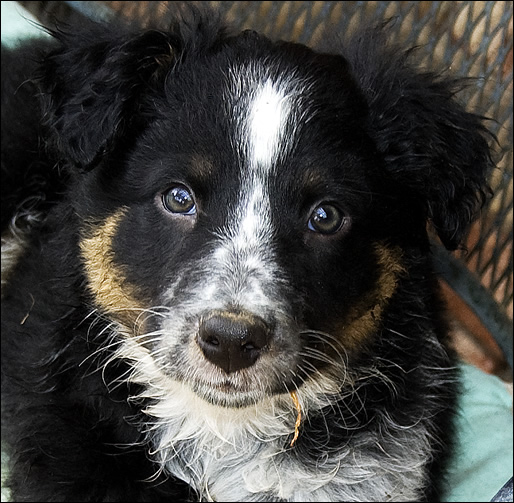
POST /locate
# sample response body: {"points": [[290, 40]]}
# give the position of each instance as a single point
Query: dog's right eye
{"points": [[179, 200], [326, 219]]}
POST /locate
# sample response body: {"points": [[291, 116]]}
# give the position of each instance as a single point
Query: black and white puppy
{"points": [[226, 293]]}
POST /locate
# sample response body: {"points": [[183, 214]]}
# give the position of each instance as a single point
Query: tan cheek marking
{"points": [[106, 279], [364, 319]]}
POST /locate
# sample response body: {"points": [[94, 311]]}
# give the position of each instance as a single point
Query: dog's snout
{"points": [[233, 340]]}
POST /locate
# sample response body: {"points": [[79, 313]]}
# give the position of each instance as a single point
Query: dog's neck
{"points": [[245, 454]]}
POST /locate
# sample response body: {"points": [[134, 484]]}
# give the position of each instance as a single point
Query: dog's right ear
{"points": [[92, 84], [436, 155]]}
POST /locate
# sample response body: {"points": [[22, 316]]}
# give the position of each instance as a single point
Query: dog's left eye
{"points": [[179, 200], [326, 219]]}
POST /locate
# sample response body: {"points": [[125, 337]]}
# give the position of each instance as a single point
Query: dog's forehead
{"points": [[287, 128], [269, 117], [267, 111]]}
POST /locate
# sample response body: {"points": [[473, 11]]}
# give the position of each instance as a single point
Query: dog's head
{"points": [[249, 209]]}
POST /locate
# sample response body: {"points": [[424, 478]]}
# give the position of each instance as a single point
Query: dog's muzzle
{"points": [[233, 340]]}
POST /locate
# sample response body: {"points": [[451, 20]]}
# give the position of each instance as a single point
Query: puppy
{"points": [[223, 289]]}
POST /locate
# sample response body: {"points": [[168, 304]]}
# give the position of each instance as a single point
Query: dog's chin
{"points": [[227, 395]]}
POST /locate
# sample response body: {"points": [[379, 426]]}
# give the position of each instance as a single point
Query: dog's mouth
{"points": [[231, 358], [234, 358], [227, 394], [241, 388]]}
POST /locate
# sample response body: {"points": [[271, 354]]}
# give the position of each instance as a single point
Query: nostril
{"points": [[232, 340]]}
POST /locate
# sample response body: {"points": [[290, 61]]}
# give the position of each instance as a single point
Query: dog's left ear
{"points": [[436, 154], [93, 82]]}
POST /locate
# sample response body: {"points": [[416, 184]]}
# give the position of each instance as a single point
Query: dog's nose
{"points": [[233, 340]]}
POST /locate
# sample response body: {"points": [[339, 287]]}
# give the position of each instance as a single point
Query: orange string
{"points": [[294, 396]]}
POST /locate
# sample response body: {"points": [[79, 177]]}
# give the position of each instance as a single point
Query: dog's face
{"points": [[246, 222], [242, 218]]}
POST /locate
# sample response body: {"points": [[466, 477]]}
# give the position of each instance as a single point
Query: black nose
{"points": [[233, 340]]}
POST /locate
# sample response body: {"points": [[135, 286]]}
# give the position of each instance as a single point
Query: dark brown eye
{"points": [[179, 200], [326, 219]]}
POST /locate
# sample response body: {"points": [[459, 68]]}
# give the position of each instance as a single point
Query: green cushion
{"points": [[17, 23], [483, 459]]}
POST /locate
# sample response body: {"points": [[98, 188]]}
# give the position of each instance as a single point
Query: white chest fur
{"points": [[244, 455]]}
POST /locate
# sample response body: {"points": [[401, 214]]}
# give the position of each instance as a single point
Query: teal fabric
{"points": [[17, 23], [483, 461]]}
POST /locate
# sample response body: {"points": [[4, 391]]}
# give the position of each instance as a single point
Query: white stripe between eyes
{"points": [[268, 113]]}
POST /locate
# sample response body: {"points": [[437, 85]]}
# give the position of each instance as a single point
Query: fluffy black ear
{"points": [[92, 84], [435, 152]]}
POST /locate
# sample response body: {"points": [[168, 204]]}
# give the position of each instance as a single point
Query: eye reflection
{"points": [[179, 200], [326, 219]]}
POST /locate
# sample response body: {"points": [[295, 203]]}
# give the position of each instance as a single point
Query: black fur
{"points": [[97, 125]]}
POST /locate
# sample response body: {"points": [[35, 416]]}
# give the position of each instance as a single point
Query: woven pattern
{"points": [[469, 38]]}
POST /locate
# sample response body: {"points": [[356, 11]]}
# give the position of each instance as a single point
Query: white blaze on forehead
{"points": [[255, 213], [268, 113], [243, 266]]}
